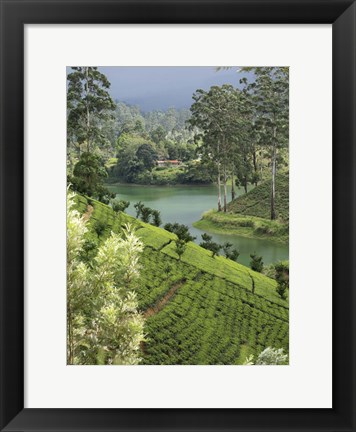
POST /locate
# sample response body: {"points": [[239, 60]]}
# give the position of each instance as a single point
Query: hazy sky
{"points": [[158, 88]]}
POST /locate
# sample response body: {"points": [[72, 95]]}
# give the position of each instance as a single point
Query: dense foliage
{"points": [[256, 263], [88, 177], [269, 356], [282, 278], [230, 135], [239, 128], [137, 293], [103, 323], [199, 309], [210, 245], [269, 96], [89, 105]]}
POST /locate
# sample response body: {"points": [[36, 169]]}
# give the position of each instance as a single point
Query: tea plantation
{"points": [[257, 202], [200, 309], [249, 215]]}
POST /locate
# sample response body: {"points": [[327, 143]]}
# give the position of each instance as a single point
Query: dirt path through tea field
{"points": [[162, 302]]}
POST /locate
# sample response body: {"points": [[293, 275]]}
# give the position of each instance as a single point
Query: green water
{"points": [[185, 204]]}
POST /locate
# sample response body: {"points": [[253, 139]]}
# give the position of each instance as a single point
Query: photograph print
{"points": [[178, 215]]}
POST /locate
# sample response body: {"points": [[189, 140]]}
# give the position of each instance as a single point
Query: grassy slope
{"points": [[249, 215], [245, 226], [213, 318], [257, 202]]}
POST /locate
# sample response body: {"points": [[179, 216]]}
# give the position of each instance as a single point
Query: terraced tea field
{"points": [[257, 201], [200, 309]]}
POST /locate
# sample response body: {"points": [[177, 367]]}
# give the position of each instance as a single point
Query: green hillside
{"points": [[257, 202], [249, 214], [199, 310]]}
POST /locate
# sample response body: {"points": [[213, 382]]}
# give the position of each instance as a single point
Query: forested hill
{"points": [[199, 309], [257, 202]]}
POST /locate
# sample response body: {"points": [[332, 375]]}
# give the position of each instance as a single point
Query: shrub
{"points": [[270, 356], [105, 198], [157, 221], [168, 268], [99, 227], [103, 322], [181, 246], [208, 244], [180, 230], [282, 278], [88, 177], [119, 205], [269, 271], [139, 206], [88, 251], [146, 213], [230, 252], [256, 263]]}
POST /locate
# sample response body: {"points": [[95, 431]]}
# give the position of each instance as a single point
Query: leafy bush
{"points": [[282, 278], [157, 221], [88, 177], [139, 206], [180, 230], [230, 252], [269, 271], [208, 244], [181, 246], [256, 263], [269, 356], [103, 324], [88, 251], [119, 205], [146, 213], [99, 227]]}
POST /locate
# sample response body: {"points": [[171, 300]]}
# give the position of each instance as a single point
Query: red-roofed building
{"points": [[168, 163]]}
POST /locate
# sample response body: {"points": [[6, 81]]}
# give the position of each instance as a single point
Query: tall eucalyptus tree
{"points": [[215, 113], [270, 94], [88, 105]]}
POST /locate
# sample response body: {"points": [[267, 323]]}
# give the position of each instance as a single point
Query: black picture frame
{"points": [[14, 15]]}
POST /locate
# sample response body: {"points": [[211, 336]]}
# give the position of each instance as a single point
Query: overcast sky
{"points": [[158, 88]]}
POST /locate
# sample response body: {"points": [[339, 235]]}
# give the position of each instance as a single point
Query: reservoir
{"points": [[185, 204]]}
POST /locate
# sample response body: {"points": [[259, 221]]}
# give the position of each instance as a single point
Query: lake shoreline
{"points": [[166, 185], [251, 227], [186, 204]]}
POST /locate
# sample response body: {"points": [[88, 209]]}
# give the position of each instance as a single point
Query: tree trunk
{"points": [[273, 191], [245, 184], [225, 190], [87, 106], [255, 166], [70, 350], [219, 189], [232, 185]]}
